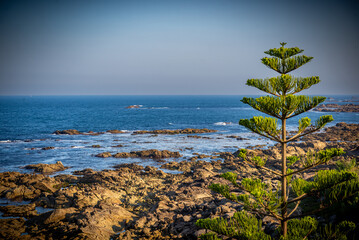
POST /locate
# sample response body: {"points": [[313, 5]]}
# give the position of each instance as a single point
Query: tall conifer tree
{"points": [[282, 104]]}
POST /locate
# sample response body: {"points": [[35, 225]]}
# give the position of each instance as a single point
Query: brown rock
{"points": [[102, 223], [59, 214], [47, 148], [68, 132], [47, 168], [152, 153], [183, 131], [115, 131], [104, 155], [133, 106], [27, 210], [12, 228]]}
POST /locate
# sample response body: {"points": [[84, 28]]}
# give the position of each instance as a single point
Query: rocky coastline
{"points": [[332, 107], [136, 202]]}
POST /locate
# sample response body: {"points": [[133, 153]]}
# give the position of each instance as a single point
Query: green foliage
{"points": [[328, 181], [346, 165], [241, 226], [291, 160], [255, 160], [224, 191], [323, 120], [339, 232], [265, 126], [284, 106], [283, 84], [321, 157], [299, 229], [287, 65], [210, 236], [303, 123]]}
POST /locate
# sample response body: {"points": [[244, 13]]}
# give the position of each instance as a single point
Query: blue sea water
{"points": [[27, 124]]}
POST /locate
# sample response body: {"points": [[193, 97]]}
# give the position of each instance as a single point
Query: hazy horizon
{"points": [[137, 47]]}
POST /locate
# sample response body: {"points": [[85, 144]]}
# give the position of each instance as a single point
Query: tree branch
{"points": [[299, 135], [295, 208], [298, 198]]}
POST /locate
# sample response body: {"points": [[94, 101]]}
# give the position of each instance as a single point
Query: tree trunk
{"points": [[284, 180]]}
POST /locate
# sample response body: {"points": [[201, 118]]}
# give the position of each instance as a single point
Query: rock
{"points": [[47, 148], [183, 131], [104, 155], [152, 153], [133, 106], [331, 107], [68, 132], [119, 145], [104, 222], [47, 168], [96, 146], [26, 211], [12, 228], [115, 131], [132, 166], [59, 214]]}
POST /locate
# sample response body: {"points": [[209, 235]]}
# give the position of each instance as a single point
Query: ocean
{"points": [[27, 125]]}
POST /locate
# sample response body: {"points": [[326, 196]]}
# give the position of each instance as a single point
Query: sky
{"points": [[171, 47]]}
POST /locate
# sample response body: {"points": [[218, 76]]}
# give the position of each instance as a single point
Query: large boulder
{"points": [[47, 168]]}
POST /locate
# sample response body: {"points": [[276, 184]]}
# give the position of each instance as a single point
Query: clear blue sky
{"points": [[171, 46]]}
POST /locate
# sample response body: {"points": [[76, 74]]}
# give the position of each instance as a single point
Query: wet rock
{"points": [[47, 168], [26, 211], [132, 166], [96, 146], [47, 148], [119, 145], [67, 132], [152, 153], [104, 155], [115, 131], [183, 131], [133, 106]]}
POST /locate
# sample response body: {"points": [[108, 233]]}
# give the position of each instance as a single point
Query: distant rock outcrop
{"points": [[178, 131], [68, 132], [133, 106], [331, 107]]}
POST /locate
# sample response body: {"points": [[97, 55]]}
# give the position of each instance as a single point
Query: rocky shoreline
{"points": [[332, 107], [136, 202]]}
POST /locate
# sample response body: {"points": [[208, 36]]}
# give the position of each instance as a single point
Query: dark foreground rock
{"points": [[179, 131], [47, 168]]}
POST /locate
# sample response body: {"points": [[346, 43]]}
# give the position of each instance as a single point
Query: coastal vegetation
{"points": [[283, 201]]}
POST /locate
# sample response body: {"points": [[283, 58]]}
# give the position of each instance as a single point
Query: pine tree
{"points": [[260, 198]]}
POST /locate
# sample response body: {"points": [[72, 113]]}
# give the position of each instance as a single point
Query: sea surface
{"points": [[27, 125]]}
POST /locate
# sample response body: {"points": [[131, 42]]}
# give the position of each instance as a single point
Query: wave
{"points": [[5, 141], [222, 123]]}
